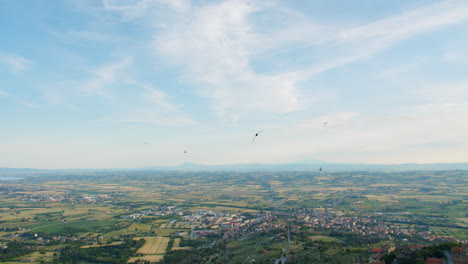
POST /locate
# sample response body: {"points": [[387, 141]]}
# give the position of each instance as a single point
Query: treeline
{"points": [[15, 249], [202, 251], [419, 256], [117, 254]]}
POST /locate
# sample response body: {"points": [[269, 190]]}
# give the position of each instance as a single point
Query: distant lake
{"points": [[2, 178]]}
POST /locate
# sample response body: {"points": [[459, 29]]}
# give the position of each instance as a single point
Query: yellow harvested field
{"points": [[177, 246], [170, 225], [150, 258], [74, 212], [181, 248], [167, 231], [163, 246], [154, 245], [139, 227], [159, 221], [116, 243], [381, 198], [176, 243]]}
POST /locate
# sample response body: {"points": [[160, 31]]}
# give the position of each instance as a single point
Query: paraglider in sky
{"points": [[256, 135]]}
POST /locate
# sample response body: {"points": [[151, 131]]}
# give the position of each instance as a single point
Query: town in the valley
{"points": [[234, 217]]}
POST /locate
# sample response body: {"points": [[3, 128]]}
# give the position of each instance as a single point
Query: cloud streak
{"points": [[131, 100], [15, 64], [99, 84], [365, 41], [215, 46]]}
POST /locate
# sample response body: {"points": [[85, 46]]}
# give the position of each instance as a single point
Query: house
{"points": [[434, 261]]}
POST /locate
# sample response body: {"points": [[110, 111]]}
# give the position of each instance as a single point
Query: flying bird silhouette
{"points": [[256, 135], [324, 124]]}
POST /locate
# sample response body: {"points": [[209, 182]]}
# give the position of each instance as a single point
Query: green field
{"points": [[94, 213]]}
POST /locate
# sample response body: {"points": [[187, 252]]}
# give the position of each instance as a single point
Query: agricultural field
{"points": [[150, 258], [324, 239], [176, 245], [166, 216], [153, 245]]}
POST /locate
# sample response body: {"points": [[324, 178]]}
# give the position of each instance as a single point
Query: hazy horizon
{"points": [[125, 84], [268, 167]]}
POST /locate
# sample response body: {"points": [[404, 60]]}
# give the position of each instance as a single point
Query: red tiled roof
{"points": [[377, 256], [434, 261], [457, 249], [377, 250]]}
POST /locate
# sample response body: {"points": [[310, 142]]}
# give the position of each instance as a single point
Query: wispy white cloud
{"points": [[156, 109], [137, 101], [25, 102], [444, 96], [443, 107], [456, 53], [410, 23], [400, 70], [14, 63], [363, 42], [129, 9], [17, 100], [215, 44], [140, 8], [83, 37], [214, 47], [145, 117], [451, 56], [157, 97], [98, 84], [105, 76]]}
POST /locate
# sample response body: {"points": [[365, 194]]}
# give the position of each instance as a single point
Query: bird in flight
{"points": [[256, 135], [324, 124], [320, 169]]}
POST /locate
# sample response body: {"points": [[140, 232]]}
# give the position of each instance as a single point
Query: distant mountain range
{"points": [[315, 166]]}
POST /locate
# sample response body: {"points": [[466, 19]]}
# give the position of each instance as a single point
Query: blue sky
{"points": [[84, 84]]}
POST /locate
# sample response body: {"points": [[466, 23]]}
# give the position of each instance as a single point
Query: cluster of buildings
{"points": [[162, 211], [209, 219], [365, 225], [208, 223], [16, 191], [77, 199], [362, 225], [155, 211]]}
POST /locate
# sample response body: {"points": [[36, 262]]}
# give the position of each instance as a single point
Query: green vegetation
{"points": [[229, 217], [118, 254]]}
